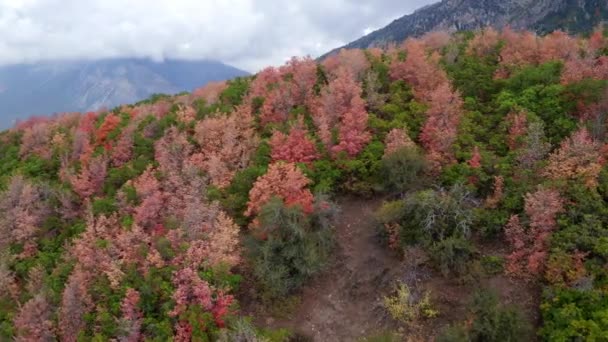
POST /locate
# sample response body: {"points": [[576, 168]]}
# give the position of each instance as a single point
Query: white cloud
{"points": [[247, 33]]}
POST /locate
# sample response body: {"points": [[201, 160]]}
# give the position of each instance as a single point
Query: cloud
{"points": [[247, 33]]}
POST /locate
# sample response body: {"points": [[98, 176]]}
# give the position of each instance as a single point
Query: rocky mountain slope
{"points": [[50, 87], [453, 15]]}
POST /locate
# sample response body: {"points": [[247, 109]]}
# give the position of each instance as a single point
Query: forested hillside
{"points": [[153, 221]]}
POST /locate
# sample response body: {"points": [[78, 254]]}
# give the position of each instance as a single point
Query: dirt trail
{"points": [[344, 302]]}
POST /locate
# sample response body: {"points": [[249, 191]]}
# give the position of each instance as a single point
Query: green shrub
{"points": [[292, 246], [452, 255], [403, 169]]}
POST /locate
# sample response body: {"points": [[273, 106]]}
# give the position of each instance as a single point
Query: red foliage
{"points": [[123, 148], [396, 139], [354, 60], [34, 321], [90, 179], [484, 42], [284, 180], [475, 161], [521, 48], [530, 247], [210, 92], [24, 207], [190, 290], [109, 124], [172, 150], [263, 80], [36, 139], [420, 71], [304, 77], [148, 189], [579, 157], [296, 147], [341, 105], [498, 194], [75, 303], [132, 316], [227, 143], [436, 40], [352, 133], [278, 102], [440, 129], [517, 129]]}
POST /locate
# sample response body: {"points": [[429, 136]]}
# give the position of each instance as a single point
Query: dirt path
{"points": [[344, 302]]}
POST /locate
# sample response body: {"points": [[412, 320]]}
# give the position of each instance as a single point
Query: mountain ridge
{"points": [[81, 85], [542, 16]]}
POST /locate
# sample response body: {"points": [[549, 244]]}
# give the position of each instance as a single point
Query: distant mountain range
{"points": [[50, 87], [543, 16]]}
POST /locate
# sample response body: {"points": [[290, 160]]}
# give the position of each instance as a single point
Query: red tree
{"points": [[151, 197], [530, 247], [294, 148], [227, 143], [341, 105], [24, 206], [131, 315], [440, 130], [110, 123], [396, 139], [283, 180], [75, 303], [579, 157], [34, 320], [420, 71]]}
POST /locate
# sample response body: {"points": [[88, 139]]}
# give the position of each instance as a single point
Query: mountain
{"points": [[50, 87], [453, 15]]}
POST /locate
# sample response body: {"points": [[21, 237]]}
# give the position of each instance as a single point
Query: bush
{"points": [[290, 246], [452, 255], [403, 169], [434, 215], [405, 308], [494, 322]]}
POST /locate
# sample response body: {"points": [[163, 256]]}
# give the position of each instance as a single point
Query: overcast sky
{"points": [[249, 34]]}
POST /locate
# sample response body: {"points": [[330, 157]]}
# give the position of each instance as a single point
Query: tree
{"points": [[283, 180], [172, 150], [90, 179], [396, 139], [484, 43], [227, 143], [123, 148], [579, 157], [131, 316], [110, 123], [517, 129], [291, 245], [210, 92], [418, 70], [341, 105], [151, 198], [354, 60], [296, 147], [34, 322], [440, 130], [24, 206], [75, 303], [530, 247]]}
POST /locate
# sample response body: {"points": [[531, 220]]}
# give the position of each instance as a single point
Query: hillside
{"points": [[51, 87], [451, 188], [574, 16]]}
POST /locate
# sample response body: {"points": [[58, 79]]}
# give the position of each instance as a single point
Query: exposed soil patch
{"points": [[344, 303]]}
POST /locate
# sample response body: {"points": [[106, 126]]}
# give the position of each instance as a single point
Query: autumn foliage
{"points": [[283, 180]]}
